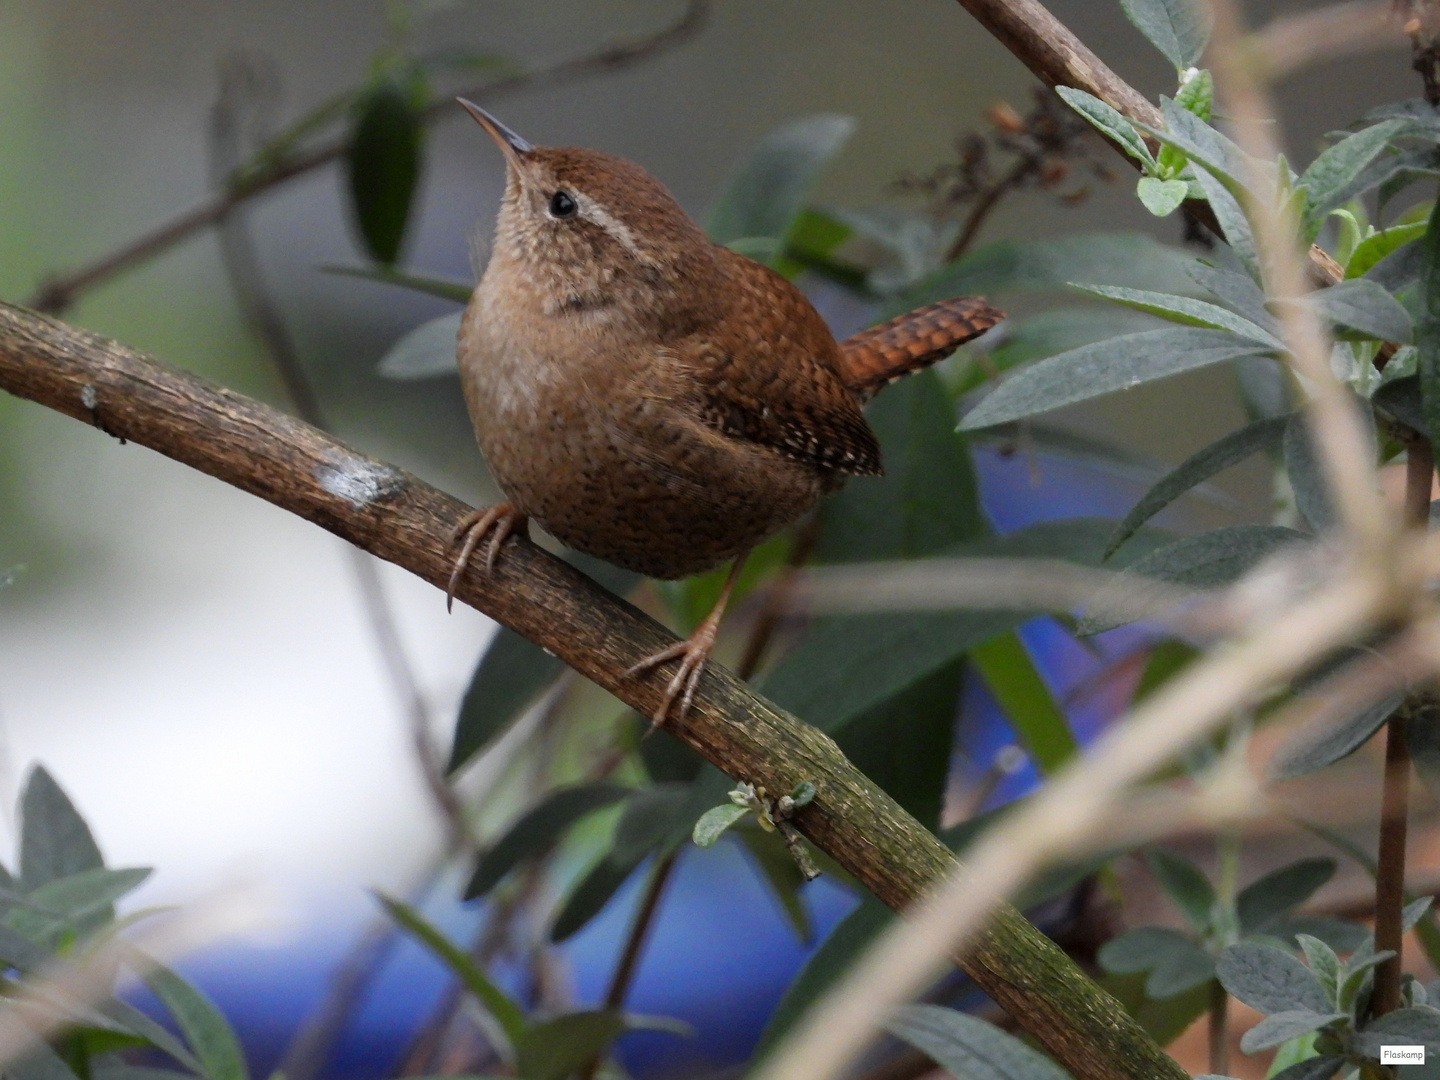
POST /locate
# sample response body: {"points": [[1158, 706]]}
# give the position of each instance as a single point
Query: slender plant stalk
{"points": [[1395, 796]]}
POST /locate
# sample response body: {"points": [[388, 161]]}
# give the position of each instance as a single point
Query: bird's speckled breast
{"points": [[600, 441]]}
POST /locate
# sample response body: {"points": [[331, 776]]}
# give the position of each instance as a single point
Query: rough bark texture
{"points": [[397, 517]]}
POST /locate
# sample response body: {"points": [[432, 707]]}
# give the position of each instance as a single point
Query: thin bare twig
{"points": [[57, 293]]}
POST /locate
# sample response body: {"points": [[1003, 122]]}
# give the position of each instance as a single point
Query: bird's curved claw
{"points": [[503, 518], [693, 652]]}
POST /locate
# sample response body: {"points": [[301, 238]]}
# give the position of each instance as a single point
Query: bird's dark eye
{"points": [[563, 205]]}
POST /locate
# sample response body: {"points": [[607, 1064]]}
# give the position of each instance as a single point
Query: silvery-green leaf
{"points": [[538, 830], [1307, 751], [1104, 367], [1399, 271], [1283, 1026], [1415, 1025], [1281, 891], [424, 352], [1185, 310], [715, 821], [1180, 29], [1306, 470], [1109, 122], [1427, 330], [967, 1046], [1267, 979], [1233, 222], [1161, 197], [1204, 561], [1315, 1068], [1364, 305], [55, 842], [1238, 292], [1322, 960], [1196, 469], [1179, 971], [1328, 180], [1202, 144], [1140, 949]]}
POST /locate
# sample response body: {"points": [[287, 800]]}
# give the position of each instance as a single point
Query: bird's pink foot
{"points": [[503, 519]]}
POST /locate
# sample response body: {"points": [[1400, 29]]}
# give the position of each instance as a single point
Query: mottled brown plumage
{"points": [[650, 397], [872, 359]]}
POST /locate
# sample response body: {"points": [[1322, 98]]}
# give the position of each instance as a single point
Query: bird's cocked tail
{"points": [[874, 358]]}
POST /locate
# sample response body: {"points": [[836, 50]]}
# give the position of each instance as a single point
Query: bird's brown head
{"points": [[586, 229]]}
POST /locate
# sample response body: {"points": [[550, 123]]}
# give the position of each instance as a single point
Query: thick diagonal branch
{"points": [[396, 516]]}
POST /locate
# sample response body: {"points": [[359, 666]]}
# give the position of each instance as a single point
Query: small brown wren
{"points": [[653, 398]]}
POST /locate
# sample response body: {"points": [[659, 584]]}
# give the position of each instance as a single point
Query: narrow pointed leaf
{"points": [[1180, 29], [1186, 886], [1238, 292], [1109, 122], [206, 1031], [1328, 181], [1427, 332], [1365, 306], [1323, 962], [1028, 704], [1374, 248], [557, 1048], [510, 676], [1202, 144], [1233, 222], [1104, 367], [506, 1013], [1185, 310], [1262, 435], [1283, 1026], [1309, 750], [55, 842], [384, 164], [1306, 470], [1281, 891], [539, 830]]}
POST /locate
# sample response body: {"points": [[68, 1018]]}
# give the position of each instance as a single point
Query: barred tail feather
{"points": [[874, 358]]}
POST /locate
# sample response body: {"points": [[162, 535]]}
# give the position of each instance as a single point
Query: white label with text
{"points": [[1402, 1055]]}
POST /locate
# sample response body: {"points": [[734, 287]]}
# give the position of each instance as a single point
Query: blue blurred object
{"points": [[720, 953]]}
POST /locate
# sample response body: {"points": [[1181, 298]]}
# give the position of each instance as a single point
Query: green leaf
{"points": [[1197, 93], [1027, 702], [1236, 291], [904, 742], [1232, 219], [1161, 197], [1306, 471], [1110, 123], [559, 1047], [1140, 949], [1316, 1068], [1366, 307], [81, 901], [1184, 310], [511, 675], [539, 830], [55, 842], [1422, 739], [1427, 330], [383, 160], [445, 288], [1180, 29], [1323, 962], [1180, 971], [1188, 889], [1309, 750], [1204, 561], [205, 1029], [1262, 435], [1280, 891], [778, 870], [1019, 341], [766, 196], [507, 1014], [1416, 1025], [715, 821], [589, 897], [1105, 367], [927, 500], [1374, 248], [967, 1046], [39, 1063], [1164, 1020], [1283, 1026], [1328, 182], [1267, 979], [1100, 258], [425, 352], [1202, 144], [133, 1020]]}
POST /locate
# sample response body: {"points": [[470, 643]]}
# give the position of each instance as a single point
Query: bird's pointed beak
{"points": [[511, 144]]}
